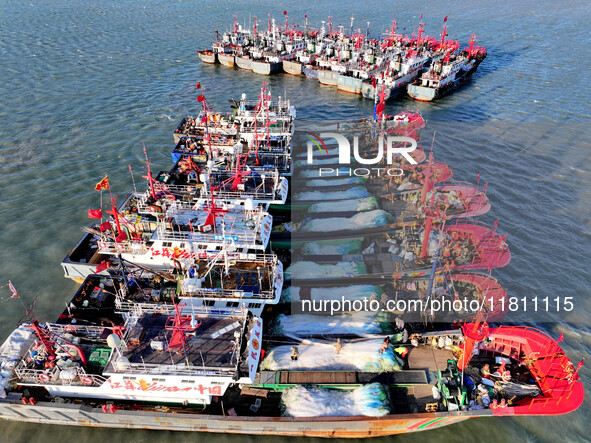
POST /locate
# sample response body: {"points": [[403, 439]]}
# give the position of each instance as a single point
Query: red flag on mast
{"points": [[201, 98], [198, 85], [445, 19], [103, 184], [14, 293], [102, 266], [95, 213]]}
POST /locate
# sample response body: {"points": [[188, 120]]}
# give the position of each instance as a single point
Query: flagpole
{"points": [[16, 295], [132, 180]]}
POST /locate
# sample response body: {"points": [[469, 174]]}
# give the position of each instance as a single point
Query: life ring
{"points": [[102, 245], [69, 328], [86, 380], [44, 377], [119, 247]]}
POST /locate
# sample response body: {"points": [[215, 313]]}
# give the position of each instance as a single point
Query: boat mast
{"points": [[444, 33]]}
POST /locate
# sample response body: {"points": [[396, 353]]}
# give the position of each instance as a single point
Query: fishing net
{"points": [[360, 221], [354, 292], [370, 400], [321, 182], [309, 270], [353, 205], [356, 192], [357, 356], [358, 324], [332, 247]]}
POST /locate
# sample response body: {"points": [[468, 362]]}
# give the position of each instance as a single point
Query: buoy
{"points": [[32, 401], [86, 380], [44, 377]]}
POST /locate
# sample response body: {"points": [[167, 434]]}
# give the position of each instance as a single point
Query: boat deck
{"points": [[209, 345]]}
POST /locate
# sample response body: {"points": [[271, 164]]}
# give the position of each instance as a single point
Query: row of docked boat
{"points": [[423, 66], [186, 320]]}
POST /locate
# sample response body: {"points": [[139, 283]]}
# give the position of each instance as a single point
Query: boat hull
{"points": [[207, 56], [424, 94], [368, 91], [310, 72], [244, 63], [226, 60], [293, 68], [349, 84], [329, 78], [338, 427], [266, 68]]}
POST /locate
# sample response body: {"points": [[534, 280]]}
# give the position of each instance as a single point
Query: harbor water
{"points": [[85, 84]]}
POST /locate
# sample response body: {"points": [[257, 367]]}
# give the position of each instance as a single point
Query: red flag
{"points": [[445, 19], [478, 179], [200, 98], [14, 293], [561, 337], [496, 223], [380, 107], [103, 184], [102, 266], [484, 189], [374, 82], [121, 237], [105, 226], [95, 213], [284, 12], [198, 85]]}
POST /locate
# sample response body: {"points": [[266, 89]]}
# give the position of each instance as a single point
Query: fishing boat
{"points": [[124, 379], [447, 73], [159, 353], [227, 280], [207, 56], [243, 61], [401, 71]]}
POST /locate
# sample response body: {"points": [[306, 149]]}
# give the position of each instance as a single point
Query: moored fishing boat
{"points": [[529, 375], [292, 67], [207, 56], [447, 73], [244, 62], [226, 59]]}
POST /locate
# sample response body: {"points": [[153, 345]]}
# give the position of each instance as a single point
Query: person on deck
{"points": [[385, 345], [338, 346], [295, 353]]}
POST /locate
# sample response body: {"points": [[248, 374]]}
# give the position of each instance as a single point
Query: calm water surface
{"points": [[85, 83]]}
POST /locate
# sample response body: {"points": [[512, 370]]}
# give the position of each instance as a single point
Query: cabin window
{"points": [[232, 304], [129, 378], [156, 379], [167, 244], [188, 381], [255, 305], [208, 302]]}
